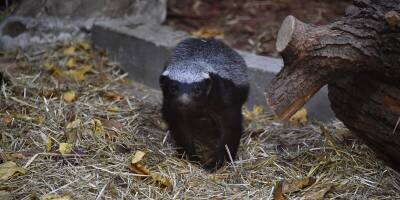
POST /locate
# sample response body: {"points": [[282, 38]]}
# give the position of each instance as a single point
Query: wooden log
{"points": [[358, 56], [370, 107], [314, 56]]}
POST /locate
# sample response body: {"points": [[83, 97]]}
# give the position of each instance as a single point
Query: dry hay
{"points": [[106, 124]]}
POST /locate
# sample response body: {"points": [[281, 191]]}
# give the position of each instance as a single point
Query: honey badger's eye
{"points": [[197, 90], [173, 89]]}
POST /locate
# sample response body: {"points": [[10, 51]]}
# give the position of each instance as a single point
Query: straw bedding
{"points": [[72, 96]]}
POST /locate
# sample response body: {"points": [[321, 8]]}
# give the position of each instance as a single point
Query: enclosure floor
{"points": [[71, 95]]}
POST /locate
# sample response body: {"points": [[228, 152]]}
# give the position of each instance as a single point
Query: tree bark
{"points": [[370, 107], [314, 56], [358, 56]]}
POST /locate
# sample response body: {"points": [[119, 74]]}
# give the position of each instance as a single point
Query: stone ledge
{"points": [[48, 21], [142, 51]]}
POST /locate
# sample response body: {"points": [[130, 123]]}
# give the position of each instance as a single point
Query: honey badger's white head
{"points": [[186, 87]]}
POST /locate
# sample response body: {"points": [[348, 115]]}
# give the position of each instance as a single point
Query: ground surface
{"points": [[248, 24], [70, 99]]}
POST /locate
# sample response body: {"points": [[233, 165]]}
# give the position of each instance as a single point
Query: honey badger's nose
{"points": [[184, 100]]}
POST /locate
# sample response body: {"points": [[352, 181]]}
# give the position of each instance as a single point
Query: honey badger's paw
{"points": [[213, 166]]}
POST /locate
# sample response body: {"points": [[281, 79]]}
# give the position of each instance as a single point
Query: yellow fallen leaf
{"points": [[284, 186], [112, 96], [55, 197], [40, 119], [111, 123], [10, 169], [49, 144], [48, 93], [65, 148], [79, 74], [343, 135], [254, 114], [300, 117], [163, 126], [69, 96], [7, 120], [135, 166], [208, 33], [97, 127], [297, 184], [318, 195], [278, 192], [71, 63], [53, 70], [57, 73], [164, 182], [138, 168], [74, 124], [137, 157], [113, 108], [258, 110], [86, 68], [48, 66], [85, 45], [12, 157], [24, 118], [69, 51]]}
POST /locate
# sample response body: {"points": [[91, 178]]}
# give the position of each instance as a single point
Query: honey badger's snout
{"points": [[185, 100]]}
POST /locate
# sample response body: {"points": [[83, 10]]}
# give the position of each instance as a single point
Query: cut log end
{"points": [[285, 33], [393, 19]]}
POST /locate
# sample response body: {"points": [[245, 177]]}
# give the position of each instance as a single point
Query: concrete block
{"points": [[143, 50], [49, 21]]}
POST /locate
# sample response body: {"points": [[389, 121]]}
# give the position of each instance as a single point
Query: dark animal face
{"points": [[185, 96]]}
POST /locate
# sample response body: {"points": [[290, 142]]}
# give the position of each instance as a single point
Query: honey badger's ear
{"points": [[205, 75], [165, 73], [208, 81], [162, 78]]}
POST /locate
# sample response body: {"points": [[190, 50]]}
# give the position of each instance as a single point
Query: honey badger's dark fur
{"points": [[205, 85]]}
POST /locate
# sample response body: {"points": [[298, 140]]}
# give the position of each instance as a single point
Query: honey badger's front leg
{"points": [[229, 123], [182, 134]]}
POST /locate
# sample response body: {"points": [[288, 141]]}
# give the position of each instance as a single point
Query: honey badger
{"points": [[204, 80]]}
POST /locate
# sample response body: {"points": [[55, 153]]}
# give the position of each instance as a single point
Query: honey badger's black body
{"points": [[205, 85]]}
